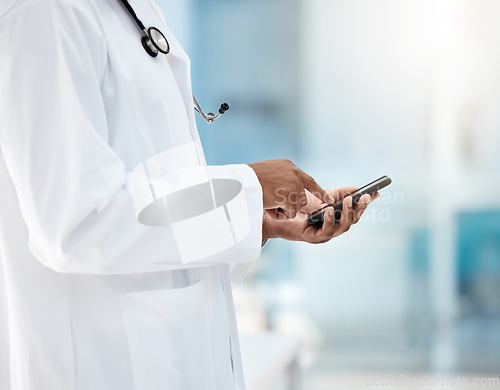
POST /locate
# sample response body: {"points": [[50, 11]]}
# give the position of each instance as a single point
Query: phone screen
{"points": [[316, 217]]}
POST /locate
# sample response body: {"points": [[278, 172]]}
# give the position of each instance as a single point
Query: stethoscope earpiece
{"points": [[153, 42], [223, 108]]}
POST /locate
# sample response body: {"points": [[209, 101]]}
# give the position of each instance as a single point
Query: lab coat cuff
{"points": [[253, 192]]}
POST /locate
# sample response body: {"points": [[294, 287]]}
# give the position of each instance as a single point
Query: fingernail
{"points": [[350, 201], [330, 213], [331, 198]]}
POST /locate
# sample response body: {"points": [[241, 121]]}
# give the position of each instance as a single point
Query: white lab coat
{"points": [[118, 244]]}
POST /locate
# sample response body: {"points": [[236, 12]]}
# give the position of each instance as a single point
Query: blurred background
{"points": [[352, 90]]}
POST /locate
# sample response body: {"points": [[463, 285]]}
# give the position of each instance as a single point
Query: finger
{"points": [[365, 200], [314, 188], [302, 196], [323, 233], [328, 228], [333, 195], [346, 218], [296, 200], [361, 207], [344, 191]]}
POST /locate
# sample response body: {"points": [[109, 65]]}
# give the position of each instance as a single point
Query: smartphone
{"points": [[317, 217]]}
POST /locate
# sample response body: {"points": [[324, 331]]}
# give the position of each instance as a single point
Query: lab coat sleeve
{"points": [[73, 189]]}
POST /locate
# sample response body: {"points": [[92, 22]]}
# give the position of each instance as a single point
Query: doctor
{"points": [[118, 244]]}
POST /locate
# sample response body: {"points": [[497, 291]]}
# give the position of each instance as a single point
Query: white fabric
{"points": [[117, 243]]}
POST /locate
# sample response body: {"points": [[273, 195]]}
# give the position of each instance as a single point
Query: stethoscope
{"points": [[154, 42]]}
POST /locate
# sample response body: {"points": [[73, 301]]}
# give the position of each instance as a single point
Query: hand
{"points": [[284, 185], [298, 229]]}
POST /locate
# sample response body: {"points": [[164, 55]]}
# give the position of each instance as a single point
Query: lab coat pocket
{"points": [[168, 336]]}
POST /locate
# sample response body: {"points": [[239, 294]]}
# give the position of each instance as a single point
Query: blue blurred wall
{"points": [[352, 90]]}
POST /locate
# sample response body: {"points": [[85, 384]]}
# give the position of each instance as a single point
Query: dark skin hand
{"points": [[284, 186], [275, 225]]}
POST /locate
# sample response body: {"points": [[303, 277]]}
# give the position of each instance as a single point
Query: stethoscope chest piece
{"points": [[154, 41]]}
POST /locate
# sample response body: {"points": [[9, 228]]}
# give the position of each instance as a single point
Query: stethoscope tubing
{"points": [[134, 15], [152, 48]]}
